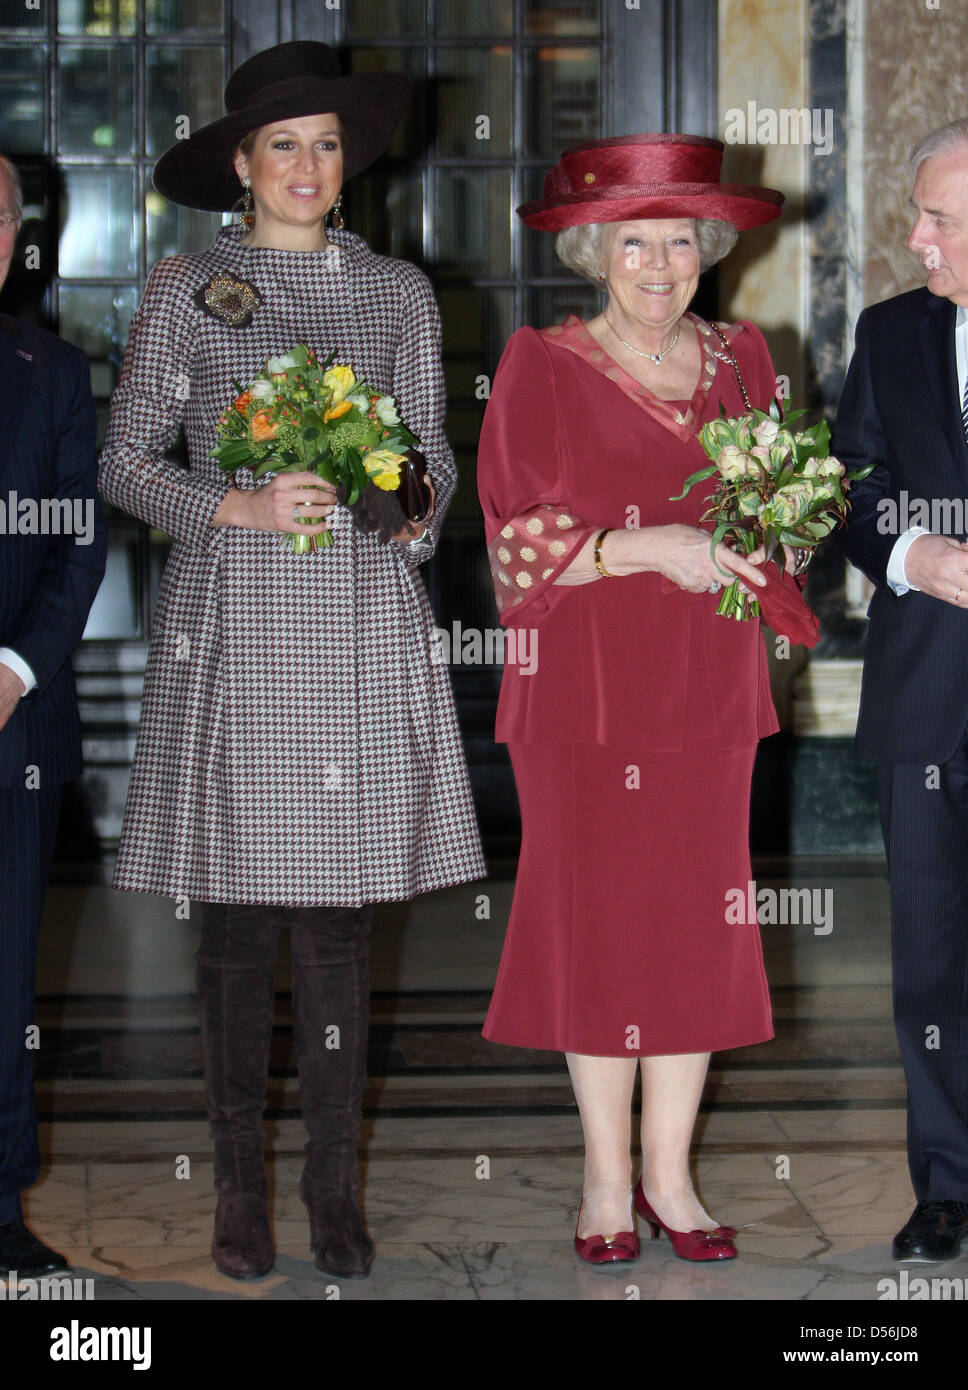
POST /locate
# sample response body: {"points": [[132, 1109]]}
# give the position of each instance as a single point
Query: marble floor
{"points": [[471, 1151]]}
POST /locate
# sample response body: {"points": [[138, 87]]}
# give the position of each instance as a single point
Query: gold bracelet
{"points": [[598, 556]]}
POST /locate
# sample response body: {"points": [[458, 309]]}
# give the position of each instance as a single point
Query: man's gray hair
{"points": [[946, 138], [580, 248], [18, 193]]}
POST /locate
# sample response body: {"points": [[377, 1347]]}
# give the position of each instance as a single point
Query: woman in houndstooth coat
{"points": [[298, 757]]}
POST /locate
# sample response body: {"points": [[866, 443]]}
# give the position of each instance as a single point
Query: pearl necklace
{"points": [[655, 357]]}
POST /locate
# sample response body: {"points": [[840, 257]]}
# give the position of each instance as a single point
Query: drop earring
{"points": [[248, 214], [336, 213]]}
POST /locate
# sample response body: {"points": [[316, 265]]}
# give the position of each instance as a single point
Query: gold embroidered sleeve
{"points": [[529, 552]]}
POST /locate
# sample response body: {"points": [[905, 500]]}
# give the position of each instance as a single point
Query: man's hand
{"points": [[938, 565], [11, 689]]}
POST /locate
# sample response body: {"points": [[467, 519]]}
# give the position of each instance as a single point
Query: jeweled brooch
{"points": [[233, 301]]}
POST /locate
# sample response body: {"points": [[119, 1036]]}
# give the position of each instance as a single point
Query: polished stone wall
{"points": [[915, 79], [763, 68]]}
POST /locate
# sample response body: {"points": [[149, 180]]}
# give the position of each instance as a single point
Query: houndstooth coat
{"points": [[298, 743]]}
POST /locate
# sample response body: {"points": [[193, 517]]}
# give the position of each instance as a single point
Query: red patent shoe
{"points": [[688, 1245], [619, 1249]]}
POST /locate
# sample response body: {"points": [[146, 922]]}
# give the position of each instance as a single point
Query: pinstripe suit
{"points": [[47, 585], [901, 407]]}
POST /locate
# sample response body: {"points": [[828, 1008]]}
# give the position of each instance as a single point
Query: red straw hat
{"points": [[629, 177]]}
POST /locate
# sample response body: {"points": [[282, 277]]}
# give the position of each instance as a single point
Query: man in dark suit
{"points": [[52, 555], [905, 408]]}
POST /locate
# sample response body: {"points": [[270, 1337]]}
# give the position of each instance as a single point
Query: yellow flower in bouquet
{"points": [[339, 380], [383, 468]]}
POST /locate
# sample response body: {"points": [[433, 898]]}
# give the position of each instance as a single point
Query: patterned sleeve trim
{"points": [[530, 550]]}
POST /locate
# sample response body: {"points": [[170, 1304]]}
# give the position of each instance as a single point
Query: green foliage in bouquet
{"points": [[302, 414]]}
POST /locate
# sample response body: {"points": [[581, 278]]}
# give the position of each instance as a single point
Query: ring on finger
{"points": [[957, 596], [715, 587]]}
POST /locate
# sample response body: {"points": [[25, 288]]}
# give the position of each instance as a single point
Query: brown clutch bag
{"points": [[413, 493]]}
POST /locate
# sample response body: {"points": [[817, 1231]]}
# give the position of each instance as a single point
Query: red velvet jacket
{"points": [[571, 444]]}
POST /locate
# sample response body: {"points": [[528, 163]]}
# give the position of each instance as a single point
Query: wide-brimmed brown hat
{"points": [[631, 177], [278, 84]]}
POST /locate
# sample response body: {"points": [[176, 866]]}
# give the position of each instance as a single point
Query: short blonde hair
{"points": [[580, 248]]}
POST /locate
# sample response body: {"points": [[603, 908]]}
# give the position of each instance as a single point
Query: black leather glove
{"points": [[376, 511]]}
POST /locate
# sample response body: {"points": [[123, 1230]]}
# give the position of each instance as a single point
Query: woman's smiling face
{"points": [[651, 268], [296, 168]]}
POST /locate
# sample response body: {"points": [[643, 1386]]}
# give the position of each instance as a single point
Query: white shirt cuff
{"points": [[896, 573], [19, 667]]}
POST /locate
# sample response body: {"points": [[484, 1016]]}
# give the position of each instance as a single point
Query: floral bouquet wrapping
{"points": [[776, 488], [300, 414]]}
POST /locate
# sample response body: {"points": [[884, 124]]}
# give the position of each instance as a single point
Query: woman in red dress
{"points": [[633, 724]]}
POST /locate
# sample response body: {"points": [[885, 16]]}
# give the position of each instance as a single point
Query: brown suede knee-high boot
{"points": [[235, 1008], [331, 1014]]}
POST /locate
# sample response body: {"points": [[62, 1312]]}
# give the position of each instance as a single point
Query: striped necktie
{"points": [[964, 408]]}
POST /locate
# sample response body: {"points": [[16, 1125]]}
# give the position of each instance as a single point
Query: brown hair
{"points": [[248, 141]]}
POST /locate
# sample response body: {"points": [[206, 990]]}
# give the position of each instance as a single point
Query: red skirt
{"points": [[617, 944]]}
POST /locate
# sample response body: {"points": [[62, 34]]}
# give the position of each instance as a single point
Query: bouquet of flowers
{"points": [[776, 488], [301, 414]]}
